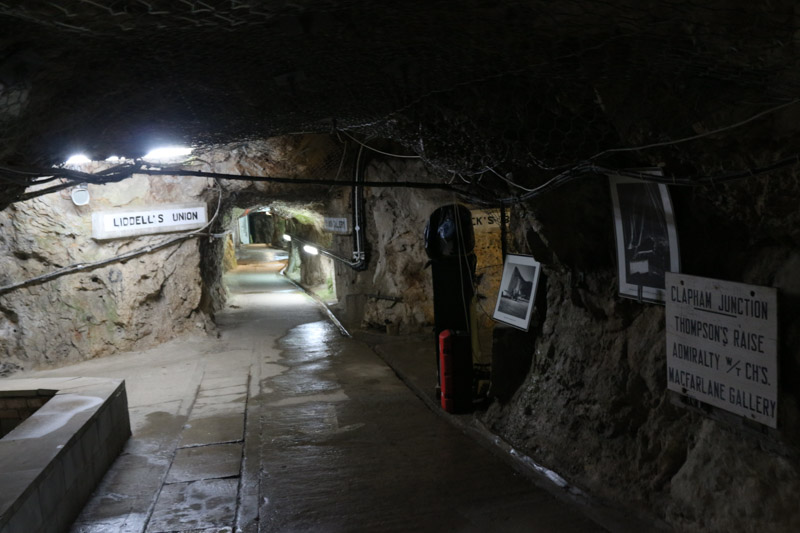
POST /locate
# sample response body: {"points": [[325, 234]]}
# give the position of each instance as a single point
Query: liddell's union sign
{"points": [[146, 221], [722, 345]]}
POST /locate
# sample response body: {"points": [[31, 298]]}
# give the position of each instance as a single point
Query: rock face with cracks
{"points": [[123, 306], [396, 289]]}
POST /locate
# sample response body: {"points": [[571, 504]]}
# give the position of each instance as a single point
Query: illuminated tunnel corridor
{"points": [[338, 265], [285, 422]]}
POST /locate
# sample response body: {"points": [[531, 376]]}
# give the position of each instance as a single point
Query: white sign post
{"points": [[722, 345], [335, 225], [163, 219]]}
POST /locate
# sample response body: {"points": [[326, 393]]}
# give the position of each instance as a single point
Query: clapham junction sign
{"points": [[146, 221], [722, 340]]}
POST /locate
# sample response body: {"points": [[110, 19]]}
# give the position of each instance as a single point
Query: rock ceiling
{"points": [[517, 84]]}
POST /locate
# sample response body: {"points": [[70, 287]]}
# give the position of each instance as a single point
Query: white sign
{"points": [[244, 229], [163, 219], [487, 219], [336, 225], [722, 345]]}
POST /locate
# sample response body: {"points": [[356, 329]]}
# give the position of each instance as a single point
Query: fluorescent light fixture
{"points": [[113, 159], [167, 154], [287, 238], [310, 249], [77, 159]]}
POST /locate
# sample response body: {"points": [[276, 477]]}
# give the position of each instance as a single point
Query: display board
{"points": [[722, 345], [517, 291]]}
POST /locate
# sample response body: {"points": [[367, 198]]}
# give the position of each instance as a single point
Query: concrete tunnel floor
{"points": [[284, 424]]}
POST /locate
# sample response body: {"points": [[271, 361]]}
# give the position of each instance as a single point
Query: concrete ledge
{"points": [[51, 462]]}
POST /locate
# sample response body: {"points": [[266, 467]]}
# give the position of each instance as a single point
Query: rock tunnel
{"points": [[629, 174]]}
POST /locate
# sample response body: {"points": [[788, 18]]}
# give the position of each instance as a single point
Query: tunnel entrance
{"points": [[278, 240]]}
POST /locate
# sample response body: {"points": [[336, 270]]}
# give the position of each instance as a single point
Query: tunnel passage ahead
{"points": [[283, 424]]}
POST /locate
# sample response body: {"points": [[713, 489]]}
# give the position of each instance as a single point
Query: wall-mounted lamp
{"points": [[80, 194], [310, 250], [287, 238]]}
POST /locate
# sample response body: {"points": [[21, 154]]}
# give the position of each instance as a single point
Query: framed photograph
{"points": [[647, 243], [517, 291]]}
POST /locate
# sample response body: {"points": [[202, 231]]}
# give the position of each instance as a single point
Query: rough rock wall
{"points": [[395, 291], [146, 300], [311, 271], [594, 405], [123, 306]]}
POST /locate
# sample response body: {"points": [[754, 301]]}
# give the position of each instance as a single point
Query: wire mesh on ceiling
{"points": [[531, 85]]}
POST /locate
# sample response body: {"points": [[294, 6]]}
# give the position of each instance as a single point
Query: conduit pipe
{"points": [[359, 254], [324, 251], [359, 260]]}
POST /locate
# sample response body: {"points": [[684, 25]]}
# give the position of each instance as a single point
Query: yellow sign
{"points": [[487, 219]]}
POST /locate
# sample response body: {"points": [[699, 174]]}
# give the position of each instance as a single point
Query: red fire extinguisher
{"points": [[455, 371]]}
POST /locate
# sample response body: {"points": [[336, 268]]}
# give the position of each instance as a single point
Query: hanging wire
{"points": [[517, 185], [380, 151], [467, 192], [717, 131]]}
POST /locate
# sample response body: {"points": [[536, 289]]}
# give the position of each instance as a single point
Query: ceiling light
{"points": [[168, 154], [80, 194], [287, 238], [310, 249], [77, 159]]}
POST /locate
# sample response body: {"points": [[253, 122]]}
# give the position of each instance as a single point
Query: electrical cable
{"points": [[463, 257], [357, 215], [380, 151], [128, 172], [42, 192], [341, 161], [473, 283], [517, 185], [325, 251], [698, 136], [359, 258], [121, 172], [299, 181]]}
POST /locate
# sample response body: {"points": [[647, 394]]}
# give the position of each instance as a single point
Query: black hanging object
{"points": [[450, 244]]}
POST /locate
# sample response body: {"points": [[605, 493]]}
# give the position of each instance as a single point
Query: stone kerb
{"points": [[52, 461]]}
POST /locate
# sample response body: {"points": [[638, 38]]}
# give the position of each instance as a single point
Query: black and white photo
{"points": [[517, 291], [647, 243]]}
